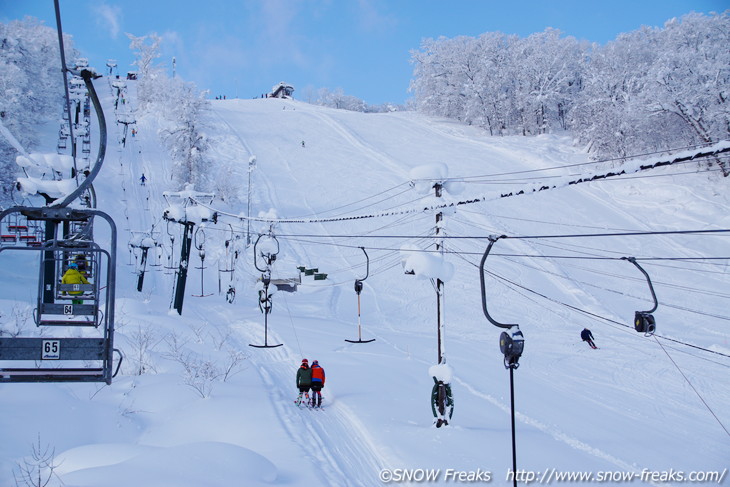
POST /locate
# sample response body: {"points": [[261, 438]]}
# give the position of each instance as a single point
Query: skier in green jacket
{"points": [[304, 381]]}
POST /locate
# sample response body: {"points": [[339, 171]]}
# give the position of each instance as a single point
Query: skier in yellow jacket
{"points": [[73, 276]]}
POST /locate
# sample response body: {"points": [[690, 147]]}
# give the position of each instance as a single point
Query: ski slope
{"points": [[625, 407]]}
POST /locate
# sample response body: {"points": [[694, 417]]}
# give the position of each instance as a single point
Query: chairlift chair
{"points": [[265, 303], [511, 342], [64, 356], [358, 290], [200, 246], [67, 357], [229, 265], [644, 321]]}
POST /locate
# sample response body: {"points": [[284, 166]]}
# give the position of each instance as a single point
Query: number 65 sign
{"points": [[51, 350]]}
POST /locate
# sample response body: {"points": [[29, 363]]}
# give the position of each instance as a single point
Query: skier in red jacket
{"points": [[317, 384]]}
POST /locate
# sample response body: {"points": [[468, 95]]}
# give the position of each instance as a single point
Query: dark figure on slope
{"points": [[317, 384], [587, 336], [304, 381]]}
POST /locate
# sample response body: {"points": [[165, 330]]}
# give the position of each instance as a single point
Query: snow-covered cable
{"points": [[628, 168]]}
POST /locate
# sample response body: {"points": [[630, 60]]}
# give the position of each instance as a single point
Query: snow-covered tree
{"points": [[147, 50], [184, 136], [499, 82], [338, 99], [181, 105], [546, 80], [31, 84], [657, 89], [607, 111], [650, 89], [692, 80]]}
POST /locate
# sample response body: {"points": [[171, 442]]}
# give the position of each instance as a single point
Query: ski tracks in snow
{"points": [[353, 139], [334, 440], [554, 432]]}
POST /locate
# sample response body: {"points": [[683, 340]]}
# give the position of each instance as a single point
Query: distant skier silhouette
{"points": [[587, 336]]}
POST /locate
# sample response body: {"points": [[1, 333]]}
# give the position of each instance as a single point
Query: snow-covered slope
{"points": [[625, 407]]}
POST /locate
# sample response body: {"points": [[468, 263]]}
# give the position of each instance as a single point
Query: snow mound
{"points": [[211, 464]]}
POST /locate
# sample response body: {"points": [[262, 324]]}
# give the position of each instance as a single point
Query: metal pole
{"points": [[251, 165], [182, 274], [439, 282], [266, 315], [143, 265], [359, 333], [514, 443]]}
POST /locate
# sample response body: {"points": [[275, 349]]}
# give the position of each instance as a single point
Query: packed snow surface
{"points": [[194, 405]]}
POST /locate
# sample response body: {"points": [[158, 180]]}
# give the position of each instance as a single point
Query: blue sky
{"points": [[243, 47]]}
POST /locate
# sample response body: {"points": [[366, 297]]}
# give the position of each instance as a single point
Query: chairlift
{"points": [[142, 241], [265, 303], [13, 229], [229, 262], [87, 358], [157, 253], [511, 342], [644, 321], [358, 290], [157, 262], [64, 307], [200, 246], [171, 266]]}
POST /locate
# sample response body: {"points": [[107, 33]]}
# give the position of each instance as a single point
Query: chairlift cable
{"points": [[294, 329], [526, 237], [646, 176], [614, 159], [368, 205], [710, 151], [621, 293], [693, 388], [64, 71], [531, 180], [708, 271], [636, 279], [665, 284], [601, 317], [533, 256]]}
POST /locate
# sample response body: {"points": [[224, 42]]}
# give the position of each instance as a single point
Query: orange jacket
{"points": [[317, 373]]}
